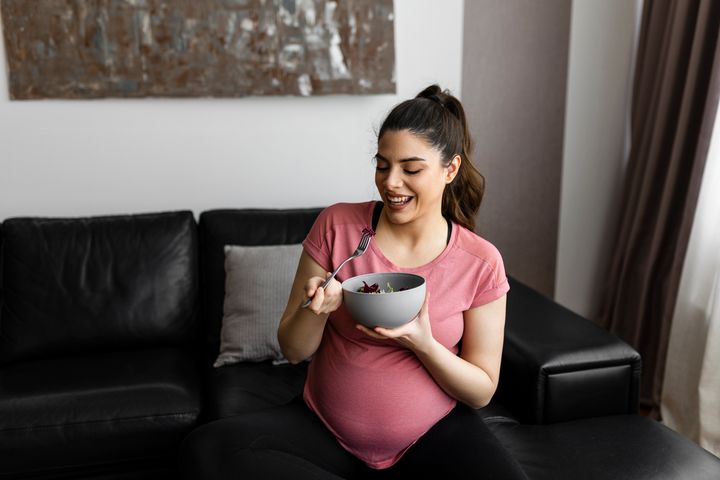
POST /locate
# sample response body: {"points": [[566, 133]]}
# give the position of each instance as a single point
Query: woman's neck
{"points": [[421, 231]]}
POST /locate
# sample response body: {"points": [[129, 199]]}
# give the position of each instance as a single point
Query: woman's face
{"points": [[410, 177]]}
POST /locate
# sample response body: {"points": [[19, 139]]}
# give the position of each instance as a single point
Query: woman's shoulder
{"points": [[337, 223], [346, 212], [476, 246]]}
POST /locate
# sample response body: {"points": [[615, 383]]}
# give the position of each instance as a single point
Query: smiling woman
{"points": [[434, 125], [394, 402]]}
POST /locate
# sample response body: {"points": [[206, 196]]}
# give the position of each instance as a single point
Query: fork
{"points": [[362, 246]]}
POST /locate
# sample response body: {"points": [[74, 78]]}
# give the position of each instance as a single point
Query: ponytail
{"points": [[439, 118]]}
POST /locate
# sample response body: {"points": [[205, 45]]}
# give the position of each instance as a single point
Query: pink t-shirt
{"points": [[375, 396]]}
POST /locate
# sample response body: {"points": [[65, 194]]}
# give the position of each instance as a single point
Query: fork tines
{"points": [[365, 241]]}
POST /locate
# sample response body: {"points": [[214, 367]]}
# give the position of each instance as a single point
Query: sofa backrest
{"points": [[2, 295], [221, 227], [79, 285]]}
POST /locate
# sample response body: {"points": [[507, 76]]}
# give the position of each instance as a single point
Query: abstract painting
{"points": [[193, 48]]}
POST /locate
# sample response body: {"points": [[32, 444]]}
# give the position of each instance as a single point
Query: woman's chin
{"points": [[400, 217]]}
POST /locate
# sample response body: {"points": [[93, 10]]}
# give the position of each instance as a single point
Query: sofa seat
{"points": [[617, 447], [96, 409], [251, 386]]}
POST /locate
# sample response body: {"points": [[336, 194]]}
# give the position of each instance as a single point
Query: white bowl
{"points": [[388, 310]]}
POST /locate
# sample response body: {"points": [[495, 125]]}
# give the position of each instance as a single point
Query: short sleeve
{"points": [[493, 282], [317, 242]]}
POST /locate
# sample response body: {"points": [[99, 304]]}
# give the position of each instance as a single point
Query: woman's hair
{"points": [[439, 118]]}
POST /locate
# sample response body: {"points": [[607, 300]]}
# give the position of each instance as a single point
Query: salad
{"points": [[375, 288]]}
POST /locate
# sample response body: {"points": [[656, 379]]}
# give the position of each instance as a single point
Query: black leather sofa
{"points": [[98, 370], [109, 327]]}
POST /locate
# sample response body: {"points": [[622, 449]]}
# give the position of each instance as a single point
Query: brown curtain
{"points": [[670, 137]]}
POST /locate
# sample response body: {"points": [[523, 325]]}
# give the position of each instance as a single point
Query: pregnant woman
{"points": [[394, 403]]}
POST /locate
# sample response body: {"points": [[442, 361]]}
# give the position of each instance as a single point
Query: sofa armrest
{"points": [[559, 366]]}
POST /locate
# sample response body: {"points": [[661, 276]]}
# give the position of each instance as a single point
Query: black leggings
{"points": [[289, 441]]}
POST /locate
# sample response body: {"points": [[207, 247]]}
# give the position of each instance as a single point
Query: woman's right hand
{"points": [[324, 300], [301, 329]]}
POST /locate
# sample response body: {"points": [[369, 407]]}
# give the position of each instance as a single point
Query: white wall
{"points": [[72, 158], [602, 39], [97, 157]]}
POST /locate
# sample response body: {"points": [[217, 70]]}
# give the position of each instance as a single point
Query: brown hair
{"points": [[439, 118]]}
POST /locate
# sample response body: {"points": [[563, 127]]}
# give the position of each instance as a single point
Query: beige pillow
{"points": [[258, 280]]}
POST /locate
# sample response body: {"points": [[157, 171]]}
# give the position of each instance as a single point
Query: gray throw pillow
{"points": [[258, 280]]}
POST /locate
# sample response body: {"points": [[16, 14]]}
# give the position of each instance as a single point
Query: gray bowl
{"points": [[388, 310]]}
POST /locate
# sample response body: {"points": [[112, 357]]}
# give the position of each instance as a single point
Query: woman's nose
{"points": [[393, 178]]}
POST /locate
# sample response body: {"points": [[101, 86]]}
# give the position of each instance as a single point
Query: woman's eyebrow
{"points": [[409, 159]]}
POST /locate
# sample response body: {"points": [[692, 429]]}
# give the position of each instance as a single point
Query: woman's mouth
{"points": [[398, 201]]}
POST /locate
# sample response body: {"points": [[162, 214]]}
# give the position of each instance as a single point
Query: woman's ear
{"points": [[452, 169]]}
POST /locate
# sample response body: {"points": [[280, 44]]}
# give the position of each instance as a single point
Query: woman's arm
{"points": [[301, 329], [472, 377]]}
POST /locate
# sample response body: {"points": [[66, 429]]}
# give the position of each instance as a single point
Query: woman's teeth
{"points": [[399, 200]]}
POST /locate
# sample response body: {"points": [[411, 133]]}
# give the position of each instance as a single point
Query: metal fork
{"points": [[362, 246]]}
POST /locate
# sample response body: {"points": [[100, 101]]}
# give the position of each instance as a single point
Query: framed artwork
{"points": [[191, 48]]}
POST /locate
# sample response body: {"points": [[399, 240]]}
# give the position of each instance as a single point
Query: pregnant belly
{"points": [[375, 414]]}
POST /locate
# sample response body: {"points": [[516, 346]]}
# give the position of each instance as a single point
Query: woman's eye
{"points": [[409, 172]]}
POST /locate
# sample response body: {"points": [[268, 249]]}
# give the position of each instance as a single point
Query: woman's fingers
{"points": [[369, 332], [313, 284], [317, 300], [409, 327], [323, 299], [390, 332]]}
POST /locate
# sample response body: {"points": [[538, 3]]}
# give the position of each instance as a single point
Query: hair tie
{"points": [[436, 99]]}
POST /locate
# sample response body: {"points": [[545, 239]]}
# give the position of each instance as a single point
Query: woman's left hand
{"points": [[415, 335]]}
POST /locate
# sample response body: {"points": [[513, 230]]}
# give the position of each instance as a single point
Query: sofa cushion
{"points": [[495, 412], [258, 280], [82, 285], [250, 386], [96, 409], [221, 227], [617, 447]]}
